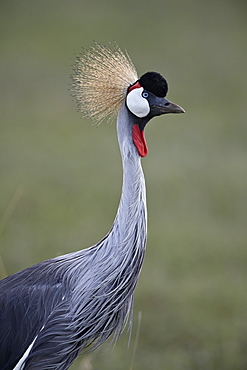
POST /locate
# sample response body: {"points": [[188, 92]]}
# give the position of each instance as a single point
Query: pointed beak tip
{"points": [[177, 108], [174, 108]]}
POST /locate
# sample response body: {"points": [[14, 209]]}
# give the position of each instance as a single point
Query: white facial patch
{"points": [[138, 105]]}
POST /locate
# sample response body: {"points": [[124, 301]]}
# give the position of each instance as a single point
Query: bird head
{"points": [[105, 77], [146, 99]]}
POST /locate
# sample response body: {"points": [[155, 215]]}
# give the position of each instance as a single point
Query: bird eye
{"points": [[145, 94]]}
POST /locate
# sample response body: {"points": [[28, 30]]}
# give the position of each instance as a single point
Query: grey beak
{"points": [[161, 106], [169, 107]]}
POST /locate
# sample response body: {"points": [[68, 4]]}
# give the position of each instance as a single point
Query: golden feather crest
{"points": [[101, 79]]}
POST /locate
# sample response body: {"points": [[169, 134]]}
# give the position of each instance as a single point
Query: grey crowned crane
{"points": [[52, 312]]}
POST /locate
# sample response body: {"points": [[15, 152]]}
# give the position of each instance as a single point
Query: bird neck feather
{"points": [[132, 207]]}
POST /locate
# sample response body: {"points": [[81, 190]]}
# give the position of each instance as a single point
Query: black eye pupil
{"points": [[145, 94]]}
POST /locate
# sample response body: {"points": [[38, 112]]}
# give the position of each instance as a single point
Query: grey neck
{"points": [[132, 208]]}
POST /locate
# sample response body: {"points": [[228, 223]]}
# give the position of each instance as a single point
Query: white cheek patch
{"points": [[138, 105]]}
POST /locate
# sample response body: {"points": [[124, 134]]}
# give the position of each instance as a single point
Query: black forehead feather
{"points": [[155, 83]]}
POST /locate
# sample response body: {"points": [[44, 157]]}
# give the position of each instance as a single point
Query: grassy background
{"points": [[61, 176]]}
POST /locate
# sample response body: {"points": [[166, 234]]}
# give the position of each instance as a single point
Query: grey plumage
{"points": [[59, 308]]}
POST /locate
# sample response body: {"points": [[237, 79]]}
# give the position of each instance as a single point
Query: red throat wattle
{"points": [[139, 140]]}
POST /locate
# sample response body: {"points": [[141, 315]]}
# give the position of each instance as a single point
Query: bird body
{"points": [[55, 310]]}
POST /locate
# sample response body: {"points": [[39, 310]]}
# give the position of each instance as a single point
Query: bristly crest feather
{"points": [[101, 79]]}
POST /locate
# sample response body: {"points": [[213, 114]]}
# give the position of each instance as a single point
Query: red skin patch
{"points": [[139, 140], [137, 85], [137, 134]]}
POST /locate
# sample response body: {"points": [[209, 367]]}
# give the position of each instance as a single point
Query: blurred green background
{"points": [[61, 177]]}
